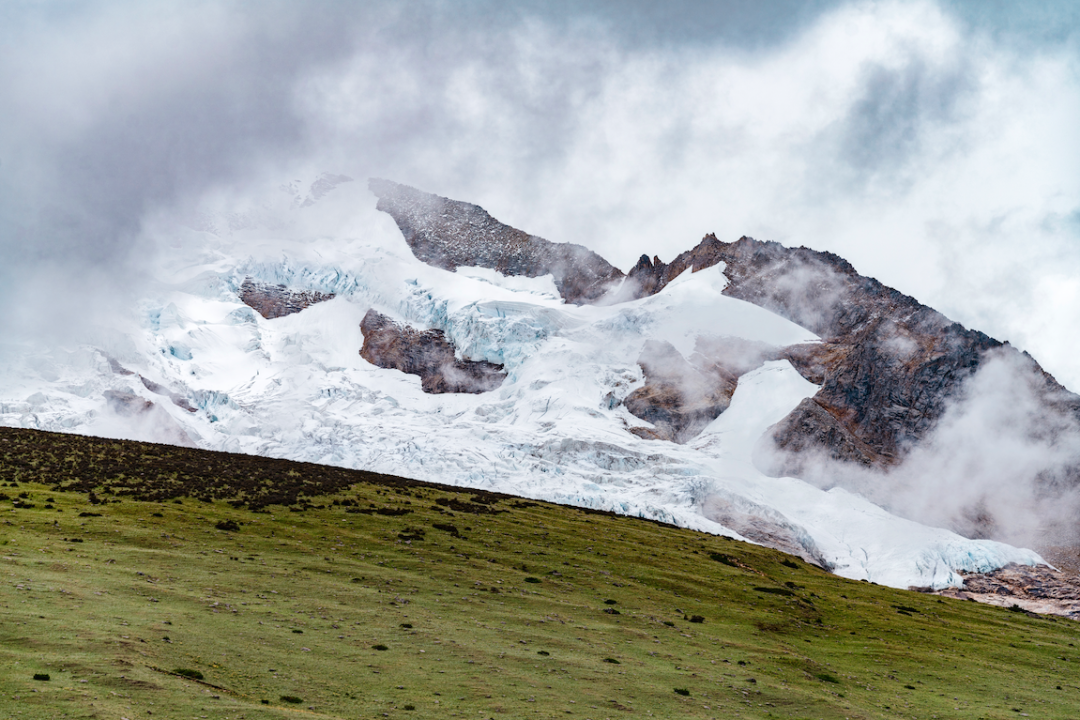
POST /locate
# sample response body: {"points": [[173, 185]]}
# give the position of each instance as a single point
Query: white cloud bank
{"points": [[938, 158]]}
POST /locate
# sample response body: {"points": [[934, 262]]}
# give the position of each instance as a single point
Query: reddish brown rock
{"points": [[426, 353], [679, 397], [449, 234], [274, 301]]}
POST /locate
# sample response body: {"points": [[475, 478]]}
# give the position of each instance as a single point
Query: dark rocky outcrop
{"points": [[649, 277], [426, 353], [681, 397], [274, 301], [677, 398], [448, 234]]}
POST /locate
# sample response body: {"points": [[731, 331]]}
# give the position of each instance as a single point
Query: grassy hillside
{"points": [[372, 596]]}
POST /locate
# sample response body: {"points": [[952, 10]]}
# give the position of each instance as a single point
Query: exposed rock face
{"points": [[178, 400], [274, 301], [649, 277], [426, 353], [679, 397], [448, 234]]}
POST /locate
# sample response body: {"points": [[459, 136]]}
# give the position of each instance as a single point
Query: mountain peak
{"points": [[450, 234]]}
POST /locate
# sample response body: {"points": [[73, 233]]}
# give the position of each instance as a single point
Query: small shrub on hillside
{"points": [[826, 677], [669, 623], [407, 626], [696, 618], [545, 653], [228, 526], [193, 674], [612, 611], [42, 676], [790, 563], [532, 580], [682, 691], [725, 559], [610, 602], [291, 699], [613, 661], [379, 647]]}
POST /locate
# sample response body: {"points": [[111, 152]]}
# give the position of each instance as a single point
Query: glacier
{"points": [[296, 387]]}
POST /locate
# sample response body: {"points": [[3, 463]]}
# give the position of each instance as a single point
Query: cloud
{"points": [[931, 144], [1001, 462]]}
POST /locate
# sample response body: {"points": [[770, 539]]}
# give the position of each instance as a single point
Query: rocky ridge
{"points": [[450, 234]]}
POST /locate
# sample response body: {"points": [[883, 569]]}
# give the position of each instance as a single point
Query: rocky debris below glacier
{"points": [[426, 353], [274, 301], [450, 234], [1039, 589], [765, 526]]}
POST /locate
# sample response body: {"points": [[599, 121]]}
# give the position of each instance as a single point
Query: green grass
{"points": [[331, 613]]}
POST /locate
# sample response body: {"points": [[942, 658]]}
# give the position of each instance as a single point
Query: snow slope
{"points": [[296, 387]]}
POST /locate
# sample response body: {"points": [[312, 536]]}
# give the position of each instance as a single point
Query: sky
{"points": [[932, 144]]}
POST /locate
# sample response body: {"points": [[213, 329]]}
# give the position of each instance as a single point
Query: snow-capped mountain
{"points": [[434, 342]]}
